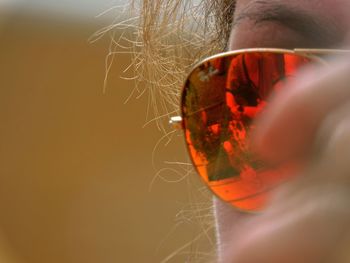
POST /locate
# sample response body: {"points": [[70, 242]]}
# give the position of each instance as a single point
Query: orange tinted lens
{"points": [[220, 99]]}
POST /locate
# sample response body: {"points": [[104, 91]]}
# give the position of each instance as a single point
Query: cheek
{"points": [[228, 221]]}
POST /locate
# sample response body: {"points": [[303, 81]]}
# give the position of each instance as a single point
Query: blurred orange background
{"points": [[75, 163]]}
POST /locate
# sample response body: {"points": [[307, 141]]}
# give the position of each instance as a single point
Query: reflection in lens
{"points": [[221, 98]]}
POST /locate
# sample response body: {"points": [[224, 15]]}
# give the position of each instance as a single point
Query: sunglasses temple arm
{"points": [[321, 51], [176, 122]]}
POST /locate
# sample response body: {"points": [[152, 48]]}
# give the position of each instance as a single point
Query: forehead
{"points": [[289, 24]]}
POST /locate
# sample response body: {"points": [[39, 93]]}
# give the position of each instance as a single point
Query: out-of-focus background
{"points": [[75, 162]]}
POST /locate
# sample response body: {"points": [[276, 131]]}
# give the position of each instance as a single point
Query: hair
{"points": [[176, 34], [172, 36], [166, 38]]}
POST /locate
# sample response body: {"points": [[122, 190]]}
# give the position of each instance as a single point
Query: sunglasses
{"points": [[220, 99]]}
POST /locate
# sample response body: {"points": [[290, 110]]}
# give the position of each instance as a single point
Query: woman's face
{"points": [[279, 24]]}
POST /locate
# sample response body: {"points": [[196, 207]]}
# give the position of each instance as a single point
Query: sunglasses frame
{"points": [[313, 54]]}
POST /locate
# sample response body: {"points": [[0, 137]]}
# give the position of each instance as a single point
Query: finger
{"points": [[309, 219], [307, 227], [287, 128], [333, 142]]}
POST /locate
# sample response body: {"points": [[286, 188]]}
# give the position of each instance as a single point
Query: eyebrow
{"points": [[318, 31]]}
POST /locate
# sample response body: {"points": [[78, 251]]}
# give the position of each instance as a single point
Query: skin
{"points": [[308, 220]]}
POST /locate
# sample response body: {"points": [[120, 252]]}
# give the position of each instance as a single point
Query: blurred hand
{"points": [[293, 119], [309, 219]]}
